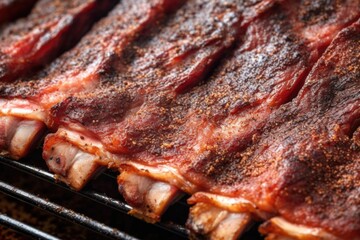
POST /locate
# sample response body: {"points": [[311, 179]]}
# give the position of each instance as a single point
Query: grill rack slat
{"points": [[24, 228], [63, 212], [101, 198]]}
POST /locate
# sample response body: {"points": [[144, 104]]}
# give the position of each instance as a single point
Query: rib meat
{"points": [[12, 9], [182, 134], [244, 142], [77, 70], [170, 59], [51, 28], [317, 145], [305, 166]]}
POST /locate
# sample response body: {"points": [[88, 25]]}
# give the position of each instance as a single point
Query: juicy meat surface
{"points": [[51, 28], [168, 120], [276, 124], [167, 61], [208, 129], [12, 9], [266, 71], [80, 68], [94, 56], [306, 165]]}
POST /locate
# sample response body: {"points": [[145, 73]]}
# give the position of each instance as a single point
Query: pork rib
{"points": [[208, 126], [305, 166], [167, 60], [317, 148], [77, 70], [12, 9], [51, 28], [168, 148], [196, 127]]}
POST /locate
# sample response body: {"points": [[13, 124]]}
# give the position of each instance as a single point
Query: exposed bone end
{"points": [[209, 222], [70, 164], [278, 228], [231, 204], [149, 198], [18, 136]]}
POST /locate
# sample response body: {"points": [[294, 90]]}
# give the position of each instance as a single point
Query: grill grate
{"points": [[176, 229], [171, 227], [24, 228]]}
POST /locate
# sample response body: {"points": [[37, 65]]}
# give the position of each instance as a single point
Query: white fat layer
{"points": [[88, 144], [232, 204], [73, 137], [166, 174], [284, 228], [22, 108]]}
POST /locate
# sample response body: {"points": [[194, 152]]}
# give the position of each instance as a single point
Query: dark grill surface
{"points": [[97, 212]]}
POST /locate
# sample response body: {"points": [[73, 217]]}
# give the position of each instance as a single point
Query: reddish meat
{"points": [[321, 135], [51, 28], [174, 131], [237, 136], [305, 166], [266, 71], [225, 114], [166, 59], [166, 63], [12, 9], [79, 69]]}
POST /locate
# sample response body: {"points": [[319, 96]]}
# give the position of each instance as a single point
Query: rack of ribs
{"points": [[13, 9], [51, 28], [301, 174], [25, 103], [178, 133], [304, 168], [221, 148], [166, 59], [251, 107]]}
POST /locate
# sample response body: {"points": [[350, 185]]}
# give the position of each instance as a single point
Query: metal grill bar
{"points": [[24, 228], [63, 212], [90, 194]]}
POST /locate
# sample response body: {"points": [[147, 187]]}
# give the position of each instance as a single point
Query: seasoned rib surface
{"points": [[266, 71], [200, 132], [306, 165], [77, 70], [272, 133], [156, 67], [166, 59]]}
